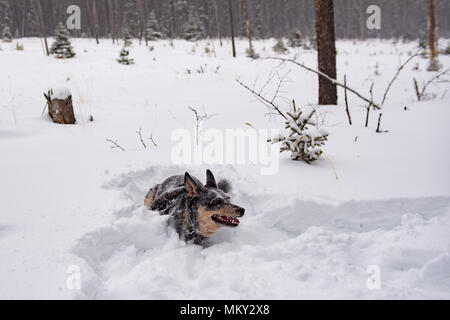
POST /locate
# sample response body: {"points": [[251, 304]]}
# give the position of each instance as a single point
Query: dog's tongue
{"points": [[228, 221]]}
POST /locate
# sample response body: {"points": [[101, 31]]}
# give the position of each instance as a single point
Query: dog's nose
{"points": [[241, 212]]}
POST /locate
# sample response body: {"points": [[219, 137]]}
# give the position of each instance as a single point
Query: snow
{"points": [[68, 199], [59, 93]]}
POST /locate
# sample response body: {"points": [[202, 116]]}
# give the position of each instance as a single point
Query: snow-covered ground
{"points": [[68, 200]]}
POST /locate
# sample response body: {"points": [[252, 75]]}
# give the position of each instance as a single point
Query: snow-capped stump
{"points": [[60, 107]]}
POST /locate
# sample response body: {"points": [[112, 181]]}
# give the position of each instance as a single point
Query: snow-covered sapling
{"points": [[6, 33], [124, 53], [295, 39], [279, 47], [302, 141], [251, 53], [61, 48]]}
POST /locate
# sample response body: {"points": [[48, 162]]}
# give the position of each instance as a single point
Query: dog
{"points": [[196, 211]]}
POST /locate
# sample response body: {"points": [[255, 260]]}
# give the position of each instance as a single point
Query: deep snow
{"points": [[68, 199]]}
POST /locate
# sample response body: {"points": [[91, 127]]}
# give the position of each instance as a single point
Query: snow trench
{"points": [[285, 248]]}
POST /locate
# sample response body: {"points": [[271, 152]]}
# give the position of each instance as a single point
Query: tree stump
{"points": [[60, 108]]}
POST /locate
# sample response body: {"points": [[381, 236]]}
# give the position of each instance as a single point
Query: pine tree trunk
{"points": [[42, 25], [326, 48], [247, 23], [431, 29], [230, 10], [438, 14], [112, 23]]}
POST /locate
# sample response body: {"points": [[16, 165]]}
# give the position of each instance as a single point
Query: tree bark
{"points": [[326, 48], [431, 29], [230, 10], [60, 110], [438, 16]]}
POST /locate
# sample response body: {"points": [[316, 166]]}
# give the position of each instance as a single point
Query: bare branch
{"points": [[115, 145], [140, 137], [334, 81], [419, 52], [271, 104]]}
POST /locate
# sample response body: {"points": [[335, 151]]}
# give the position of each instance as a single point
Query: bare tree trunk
{"points": [[326, 48], [362, 23], [431, 30], [247, 24], [174, 19], [95, 20], [143, 21], [112, 22], [91, 18], [117, 18], [42, 25], [230, 10], [438, 13], [216, 17]]}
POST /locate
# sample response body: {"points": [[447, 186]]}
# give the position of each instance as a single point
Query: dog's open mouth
{"points": [[226, 220]]}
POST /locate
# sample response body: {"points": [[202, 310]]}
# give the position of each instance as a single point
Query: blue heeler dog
{"points": [[196, 211]]}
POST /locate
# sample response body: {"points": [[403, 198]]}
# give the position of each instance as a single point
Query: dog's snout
{"points": [[241, 212]]}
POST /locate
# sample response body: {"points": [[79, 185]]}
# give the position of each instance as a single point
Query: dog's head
{"points": [[213, 206]]}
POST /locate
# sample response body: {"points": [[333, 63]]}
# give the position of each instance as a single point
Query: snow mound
{"points": [[283, 249]]}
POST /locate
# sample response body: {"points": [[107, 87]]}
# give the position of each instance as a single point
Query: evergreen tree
{"points": [[62, 47], [152, 29], [124, 53], [193, 29], [295, 39], [279, 47], [6, 34]]}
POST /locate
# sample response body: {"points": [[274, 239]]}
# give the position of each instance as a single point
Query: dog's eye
{"points": [[216, 202]]}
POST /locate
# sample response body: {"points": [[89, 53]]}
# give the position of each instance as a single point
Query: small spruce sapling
{"points": [[61, 48], [300, 140], [124, 53], [6, 34], [279, 47], [295, 39]]}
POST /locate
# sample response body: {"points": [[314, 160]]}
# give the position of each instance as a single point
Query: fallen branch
{"points": [[334, 81]]}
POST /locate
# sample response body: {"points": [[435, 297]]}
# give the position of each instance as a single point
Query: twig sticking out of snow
{"points": [[140, 137], [198, 121], [421, 93], [115, 145], [418, 53], [334, 81], [379, 125], [153, 141], [346, 101]]}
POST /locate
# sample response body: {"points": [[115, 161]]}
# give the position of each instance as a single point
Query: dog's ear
{"points": [[210, 180], [192, 188]]}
